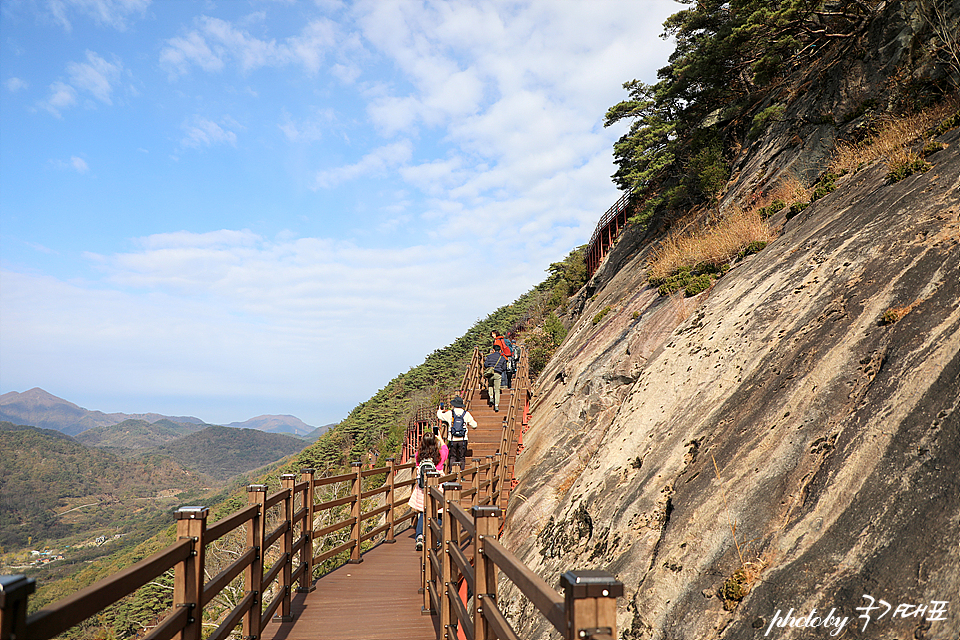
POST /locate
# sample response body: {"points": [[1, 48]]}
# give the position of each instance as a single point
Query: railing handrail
{"points": [[271, 573], [605, 219], [443, 571], [293, 560]]}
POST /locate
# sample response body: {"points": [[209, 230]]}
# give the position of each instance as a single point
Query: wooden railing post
{"points": [[14, 591], [288, 481], [487, 523], [253, 574], [591, 604], [429, 513], [475, 483], [306, 551], [355, 513], [489, 479], [188, 575], [391, 499], [449, 575]]}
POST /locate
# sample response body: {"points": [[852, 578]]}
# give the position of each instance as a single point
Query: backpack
{"points": [[423, 469], [458, 428]]}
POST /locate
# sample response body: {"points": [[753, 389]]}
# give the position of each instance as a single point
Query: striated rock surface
{"points": [[772, 444]]}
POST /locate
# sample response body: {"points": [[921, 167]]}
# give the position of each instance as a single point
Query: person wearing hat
{"points": [[457, 420]]}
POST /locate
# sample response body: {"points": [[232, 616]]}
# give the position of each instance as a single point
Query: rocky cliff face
{"points": [[772, 444]]}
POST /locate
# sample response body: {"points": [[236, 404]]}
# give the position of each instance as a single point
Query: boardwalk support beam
{"points": [[253, 574]]}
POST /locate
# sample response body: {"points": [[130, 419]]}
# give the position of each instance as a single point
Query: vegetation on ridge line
{"points": [[676, 153]]}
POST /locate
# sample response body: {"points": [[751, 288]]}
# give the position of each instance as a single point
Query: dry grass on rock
{"points": [[717, 244], [894, 135]]}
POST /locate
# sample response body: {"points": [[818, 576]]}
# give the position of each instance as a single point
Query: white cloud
{"points": [[95, 76], [307, 129], [62, 96], [514, 97], [79, 164], [110, 13], [215, 42], [201, 132], [180, 53], [15, 84], [372, 164]]}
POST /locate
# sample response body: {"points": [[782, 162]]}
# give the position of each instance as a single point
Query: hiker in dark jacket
{"points": [[457, 420], [505, 351], [494, 366]]}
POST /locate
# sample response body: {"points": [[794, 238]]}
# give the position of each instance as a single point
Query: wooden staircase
{"points": [[497, 431]]}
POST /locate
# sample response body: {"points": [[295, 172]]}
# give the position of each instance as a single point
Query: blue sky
{"points": [[228, 209]]}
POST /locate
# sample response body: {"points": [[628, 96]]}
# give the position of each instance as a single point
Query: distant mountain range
{"points": [[275, 424], [40, 409]]}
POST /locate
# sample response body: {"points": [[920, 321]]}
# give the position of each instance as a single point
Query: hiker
{"points": [[514, 353], [506, 349], [431, 456], [493, 367], [457, 419]]}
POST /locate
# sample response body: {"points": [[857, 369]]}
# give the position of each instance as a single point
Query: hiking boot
{"points": [[420, 542], [496, 409]]}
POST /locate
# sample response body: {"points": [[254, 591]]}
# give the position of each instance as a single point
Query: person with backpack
{"points": [[493, 367], [514, 355], [431, 456], [506, 350], [457, 420]]}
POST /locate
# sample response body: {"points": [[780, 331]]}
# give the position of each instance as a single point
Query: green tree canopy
{"points": [[727, 58]]}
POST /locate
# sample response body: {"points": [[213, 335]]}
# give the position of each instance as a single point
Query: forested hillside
{"points": [[39, 408], [130, 435], [224, 452], [56, 491]]}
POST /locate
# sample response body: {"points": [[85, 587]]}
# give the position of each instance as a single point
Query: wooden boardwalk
{"points": [[374, 600]]}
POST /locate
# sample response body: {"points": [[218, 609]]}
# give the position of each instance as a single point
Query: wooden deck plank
{"points": [[374, 600]]}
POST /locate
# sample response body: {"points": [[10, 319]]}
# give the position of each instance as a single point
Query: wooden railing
{"points": [[276, 536], [462, 548], [513, 417], [424, 416], [276, 551], [606, 231]]}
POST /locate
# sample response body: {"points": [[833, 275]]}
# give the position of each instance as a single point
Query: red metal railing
{"points": [[609, 227]]}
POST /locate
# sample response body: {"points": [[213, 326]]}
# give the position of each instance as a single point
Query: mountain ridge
{"points": [[39, 408]]}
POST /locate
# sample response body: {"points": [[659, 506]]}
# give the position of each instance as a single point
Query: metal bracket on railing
{"points": [[191, 606], [595, 633]]}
